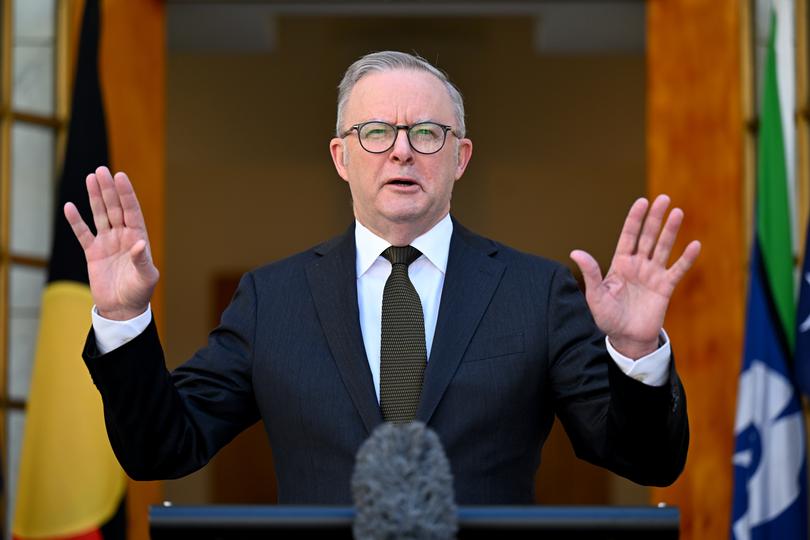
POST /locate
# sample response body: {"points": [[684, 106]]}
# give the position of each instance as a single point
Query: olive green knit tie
{"points": [[403, 354]]}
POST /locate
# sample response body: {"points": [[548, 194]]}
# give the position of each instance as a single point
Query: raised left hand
{"points": [[630, 303]]}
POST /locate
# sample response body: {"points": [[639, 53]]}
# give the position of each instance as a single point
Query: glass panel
{"points": [[32, 189], [15, 420], [33, 90], [33, 50], [25, 294], [34, 19]]}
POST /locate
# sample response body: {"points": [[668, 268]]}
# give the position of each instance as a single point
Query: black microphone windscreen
{"points": [[402, 485]]}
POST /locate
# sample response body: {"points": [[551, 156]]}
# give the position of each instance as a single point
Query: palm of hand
{"points": [[114, 280], [632, 299]]}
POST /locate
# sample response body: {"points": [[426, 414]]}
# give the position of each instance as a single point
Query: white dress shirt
{"points": [[427, 274]]}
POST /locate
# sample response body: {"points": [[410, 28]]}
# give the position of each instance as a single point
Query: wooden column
{"points": [[695, 153], [133, 82], [133, 72]]}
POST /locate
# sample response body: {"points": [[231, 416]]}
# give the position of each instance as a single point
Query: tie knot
{"points": [[401, 255]]}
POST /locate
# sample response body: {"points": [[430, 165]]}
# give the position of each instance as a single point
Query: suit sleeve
{"points": [[637, 431], [163, 425]]}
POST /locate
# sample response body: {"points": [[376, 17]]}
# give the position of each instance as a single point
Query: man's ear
{"points": [[337, 147], [465, 148]]}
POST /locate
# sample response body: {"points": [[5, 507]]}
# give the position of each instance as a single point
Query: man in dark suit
{"points": [[407, 315]]}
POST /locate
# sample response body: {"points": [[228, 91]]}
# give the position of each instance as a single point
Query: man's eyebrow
{"points": [[419, 121], [374, 120]]}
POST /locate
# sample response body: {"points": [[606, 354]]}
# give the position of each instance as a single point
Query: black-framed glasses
{"points": [[378, 137]]}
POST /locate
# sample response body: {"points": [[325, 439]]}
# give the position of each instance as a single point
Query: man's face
{"points": [[400, 187]]}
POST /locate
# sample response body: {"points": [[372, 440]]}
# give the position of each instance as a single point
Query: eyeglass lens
{"points": [[426, 138]]}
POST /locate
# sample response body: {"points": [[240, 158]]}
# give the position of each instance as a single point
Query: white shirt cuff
{"points": [[112, 334], [652, 370]]}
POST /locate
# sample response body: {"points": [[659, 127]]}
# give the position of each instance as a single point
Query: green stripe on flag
{"points": [[773, 212]]}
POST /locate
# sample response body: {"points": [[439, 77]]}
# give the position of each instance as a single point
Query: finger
{"points": [[80, 228], [591, 273], [684, 262], [97, 204], [632, 225], [133, 217], [663, 248], [652, 226], [115, 215]]}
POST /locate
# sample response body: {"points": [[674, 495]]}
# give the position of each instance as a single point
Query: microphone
{"points": [[402, 485]]}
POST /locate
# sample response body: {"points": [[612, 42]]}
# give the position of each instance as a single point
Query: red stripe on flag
{"points": [[94, 534]]}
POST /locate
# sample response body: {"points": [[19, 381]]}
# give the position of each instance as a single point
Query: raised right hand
{"points": [[119, 261]]}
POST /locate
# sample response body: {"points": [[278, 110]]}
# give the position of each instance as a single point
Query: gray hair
{"points": [[392, 60]]}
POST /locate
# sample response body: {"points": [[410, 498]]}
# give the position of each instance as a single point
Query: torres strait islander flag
{"points": [[770, 463], [70, 485]]}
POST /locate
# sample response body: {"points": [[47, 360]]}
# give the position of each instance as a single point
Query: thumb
{"points": [[140, 256], [591, 273]]}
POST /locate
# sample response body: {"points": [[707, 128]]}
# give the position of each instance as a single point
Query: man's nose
{"points": [[401, 151]]}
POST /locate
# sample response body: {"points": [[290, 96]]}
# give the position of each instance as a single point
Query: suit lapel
{"points": [[333, 282], [471, 279]]}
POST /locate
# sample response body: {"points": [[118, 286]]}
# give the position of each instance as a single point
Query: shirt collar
{"points": [[434, 245]]}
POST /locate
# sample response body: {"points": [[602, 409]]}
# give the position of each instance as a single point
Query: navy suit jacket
{"points": [[515, 344]]}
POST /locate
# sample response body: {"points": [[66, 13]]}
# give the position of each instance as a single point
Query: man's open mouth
{"points": [[401, 182]]}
